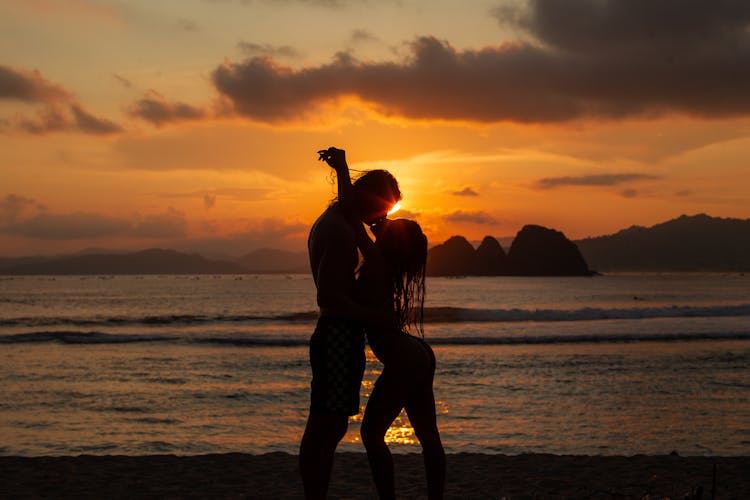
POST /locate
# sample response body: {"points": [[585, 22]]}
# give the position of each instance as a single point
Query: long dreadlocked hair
{"points": [[404, 247]]}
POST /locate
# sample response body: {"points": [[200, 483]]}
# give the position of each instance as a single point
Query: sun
{"points": [[395, 208]]}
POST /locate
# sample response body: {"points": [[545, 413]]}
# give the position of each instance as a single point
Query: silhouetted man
{"points": [[337, 346]]}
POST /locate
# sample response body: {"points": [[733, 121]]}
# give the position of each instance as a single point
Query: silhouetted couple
{"points": [[383, 299]]}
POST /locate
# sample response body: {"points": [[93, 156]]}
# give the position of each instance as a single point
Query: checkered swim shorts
{"points": [[337, 357]]}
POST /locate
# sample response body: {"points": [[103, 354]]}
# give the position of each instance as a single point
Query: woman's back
{"points": [[394, 348]]}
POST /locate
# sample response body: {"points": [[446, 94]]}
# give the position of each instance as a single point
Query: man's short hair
{"points": [[380, 183]]}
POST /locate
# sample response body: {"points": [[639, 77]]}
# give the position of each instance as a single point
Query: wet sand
{"points": [[275, 475]]}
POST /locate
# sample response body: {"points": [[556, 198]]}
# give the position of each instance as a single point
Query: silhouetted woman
{"points": [[393, 276]]}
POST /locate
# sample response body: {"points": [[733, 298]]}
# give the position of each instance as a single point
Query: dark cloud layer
{"points": [[592, 180], [14, 206], [24, 216], [359, 35], [265, 49], [603, 59], [49, 226], [123, 81], [604, 26], [154, 108], [86, 122], [271, 232], [171, 224], [81, 225], [478, 217], [28, 86], [58, 110], [406, 214], [64, 118], [467, 191]]}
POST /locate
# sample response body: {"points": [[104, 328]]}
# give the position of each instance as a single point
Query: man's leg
{"points": [[337, 359], [322, 434]]}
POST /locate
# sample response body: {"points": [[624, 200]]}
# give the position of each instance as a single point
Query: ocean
{"points": [[619, 364]]}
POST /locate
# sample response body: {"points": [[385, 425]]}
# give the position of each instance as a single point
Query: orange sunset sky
{"points": [[193, 124]]}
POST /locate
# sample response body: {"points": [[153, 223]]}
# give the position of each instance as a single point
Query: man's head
{"points": [[375, 192]]}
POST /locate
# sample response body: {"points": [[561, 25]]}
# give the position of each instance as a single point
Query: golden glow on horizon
{"points": [[395, 208], [195, 175]]}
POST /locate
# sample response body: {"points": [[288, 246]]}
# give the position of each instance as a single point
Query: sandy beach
{"points": [[275, 475]]}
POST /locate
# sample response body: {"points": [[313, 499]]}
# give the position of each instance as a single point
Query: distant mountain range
{"points": [[535, 251], [156, 261], [151, 261], [688, 243]]}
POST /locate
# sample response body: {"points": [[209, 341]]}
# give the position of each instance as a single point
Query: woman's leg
{"points": [[421, 411], [383, 406]]}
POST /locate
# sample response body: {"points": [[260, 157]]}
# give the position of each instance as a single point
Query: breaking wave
{"points": [[94, 337], [432, 315]]}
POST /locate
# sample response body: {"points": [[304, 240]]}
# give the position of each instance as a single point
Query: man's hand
{"points": [[334, 157]]}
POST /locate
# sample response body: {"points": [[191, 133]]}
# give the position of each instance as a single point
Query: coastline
{"points": [[469, 475]]}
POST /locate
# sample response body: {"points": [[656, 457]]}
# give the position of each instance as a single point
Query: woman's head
{"points": [[404, 247]]}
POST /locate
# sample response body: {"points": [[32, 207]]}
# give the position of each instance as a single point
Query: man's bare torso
{"points": [[332, 246]]}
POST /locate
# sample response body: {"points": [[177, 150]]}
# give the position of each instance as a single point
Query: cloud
{"points": [[477, 217], [262, 90], [60, 110], [171, 224], [51, 118], [63, 118], [154, 108], [362, 36], [15, 206], [188, 25], [29, 86], [406, 214], [210, 196], [274, 227], [592, 180], [266, 49], [583, 59], [21, 216], [467, 191], [123, 81], [25, 217], [604, 26], [48, 226], [86, 122], [272, 232]]}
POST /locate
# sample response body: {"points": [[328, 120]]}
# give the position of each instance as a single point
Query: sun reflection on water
{"points": [[400, 432]]}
